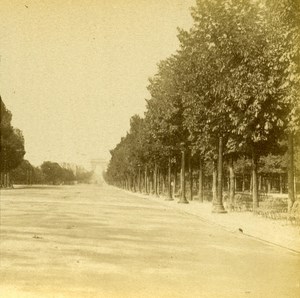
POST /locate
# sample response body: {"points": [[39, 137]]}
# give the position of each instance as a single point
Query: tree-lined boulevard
{"points": [[91, 241], [225, 103], [220, 133]]}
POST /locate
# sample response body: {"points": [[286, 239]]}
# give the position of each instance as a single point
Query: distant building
{"points": [[98, 167]]}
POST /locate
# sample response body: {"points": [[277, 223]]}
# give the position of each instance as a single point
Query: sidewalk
{"points": [[277, 232]]}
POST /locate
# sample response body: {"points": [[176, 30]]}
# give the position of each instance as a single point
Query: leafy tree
{"points": [[82, 175], [14, 149], [23, 173], [285, 47], [231, 89], [11, 144], [53, 172], [165, 114], [220, 41]]}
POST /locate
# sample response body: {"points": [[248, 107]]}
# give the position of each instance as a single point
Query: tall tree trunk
{"points": [[200, 191], [259, 182], [231, 184], [150, 182], [214, 181], [164, 178], [175, 181], [280, 184], [182, 179], [291, 174], [269, 184], [135, 179], [155, 179], [235, 183], [158, 177], [254, 180], [227, 183], [169, 198], [146, 180], [143, 182], [191, 176], [218, 206], [243, 182], [130, 182], [139, 180]]}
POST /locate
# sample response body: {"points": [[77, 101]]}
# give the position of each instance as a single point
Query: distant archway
{"points": [[98, 168]]}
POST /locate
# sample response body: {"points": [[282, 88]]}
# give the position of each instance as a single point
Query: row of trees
{"points": [[229, 93], [13, 167], [11, 145], [48, 173]]}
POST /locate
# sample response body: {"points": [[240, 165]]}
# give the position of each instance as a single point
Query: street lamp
{"points": [[183, 199]]}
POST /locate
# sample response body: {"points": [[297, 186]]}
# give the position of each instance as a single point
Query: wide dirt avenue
{"points": [[98, 241]]}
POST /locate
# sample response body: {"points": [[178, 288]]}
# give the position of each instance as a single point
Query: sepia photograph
{"points": [[150, 149]]}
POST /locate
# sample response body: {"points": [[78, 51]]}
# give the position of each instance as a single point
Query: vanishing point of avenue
{"points": [[150, 149]]}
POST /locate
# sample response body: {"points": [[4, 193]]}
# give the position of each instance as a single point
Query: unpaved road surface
{"points": [[89, 241]]}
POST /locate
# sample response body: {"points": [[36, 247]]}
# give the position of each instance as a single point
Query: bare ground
{"points": [[89, 241]]}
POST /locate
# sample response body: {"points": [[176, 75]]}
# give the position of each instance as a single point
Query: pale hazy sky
{"points": [[74, 72]]}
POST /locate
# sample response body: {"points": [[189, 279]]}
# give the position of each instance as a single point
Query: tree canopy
{"points": [[234, 76], [12, 141]]}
